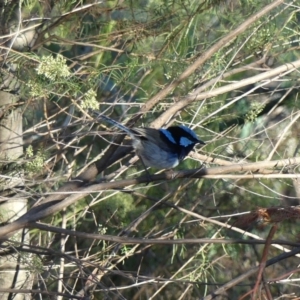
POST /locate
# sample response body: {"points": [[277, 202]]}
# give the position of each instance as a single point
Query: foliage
{"points": [[116, 57]]}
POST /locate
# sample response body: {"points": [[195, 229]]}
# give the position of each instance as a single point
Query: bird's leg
{"points": [[147, 172]]}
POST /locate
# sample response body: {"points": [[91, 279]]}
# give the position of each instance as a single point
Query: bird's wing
{"points": [[145, 133], [154, 136]]}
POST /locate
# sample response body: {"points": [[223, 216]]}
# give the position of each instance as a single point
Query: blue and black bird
{"points": [[159, 148]]}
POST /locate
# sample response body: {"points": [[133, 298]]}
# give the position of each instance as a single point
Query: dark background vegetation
{"points": [[94, 226]]}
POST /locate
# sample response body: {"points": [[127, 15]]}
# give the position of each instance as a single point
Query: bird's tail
{"points": [[98, 115]]}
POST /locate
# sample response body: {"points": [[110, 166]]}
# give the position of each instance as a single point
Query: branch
{"points": [[50, 206]]}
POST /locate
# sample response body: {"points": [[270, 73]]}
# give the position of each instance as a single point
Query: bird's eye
{"points": [[185, 141], [168, 135]]}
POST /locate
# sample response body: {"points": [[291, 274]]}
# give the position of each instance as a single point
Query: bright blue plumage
{"points": [[162, 148]]}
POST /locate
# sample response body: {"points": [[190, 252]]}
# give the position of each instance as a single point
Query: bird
{"points": [[161, 148]]}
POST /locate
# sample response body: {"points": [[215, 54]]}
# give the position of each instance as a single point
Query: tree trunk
{"points": [[13, 271]]}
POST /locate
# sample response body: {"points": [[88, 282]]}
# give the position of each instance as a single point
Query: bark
{"points": [[13, 272]]}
